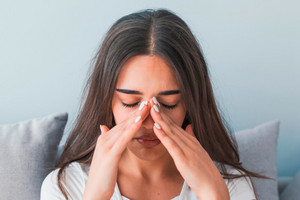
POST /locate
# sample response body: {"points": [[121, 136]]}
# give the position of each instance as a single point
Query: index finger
{"points": [[128, 128]]}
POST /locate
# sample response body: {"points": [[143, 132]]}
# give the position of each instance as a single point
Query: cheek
{"points": [[121, 113]]}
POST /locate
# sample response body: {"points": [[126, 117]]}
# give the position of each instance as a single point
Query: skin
{"points": [[149, 173]]}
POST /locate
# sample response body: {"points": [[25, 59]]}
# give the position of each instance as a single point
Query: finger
{"points": [[170, 130], [177, 144], [189, 137], [128, 128], [160, 115], [151, 103], [137, 117], [168, 125], [104, 128], [182, 138], [156, 106], [171, 146], [189, 130], [186, 140], [155, 102], [156, 116], [186, 135]]}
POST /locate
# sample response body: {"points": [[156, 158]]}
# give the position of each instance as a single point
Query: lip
{"points": [[147, 138], [148, 141]]}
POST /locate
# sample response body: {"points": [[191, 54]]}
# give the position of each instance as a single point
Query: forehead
{"points": [[147, 72]]}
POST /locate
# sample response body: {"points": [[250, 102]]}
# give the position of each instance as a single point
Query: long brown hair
{"points": [[152, 32]]}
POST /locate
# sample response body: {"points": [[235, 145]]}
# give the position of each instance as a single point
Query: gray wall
{"points": [[252, 49]]}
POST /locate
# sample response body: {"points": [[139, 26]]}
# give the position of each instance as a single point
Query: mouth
{"points": [[148, 141]]}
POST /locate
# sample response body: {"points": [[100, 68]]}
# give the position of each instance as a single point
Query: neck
{"points": [[148, 170]]}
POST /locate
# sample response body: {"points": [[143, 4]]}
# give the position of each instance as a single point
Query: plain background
{"points": [[252, 49]]}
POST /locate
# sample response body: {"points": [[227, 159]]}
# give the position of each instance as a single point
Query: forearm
{"points": [[220, 192], [214, 196]]}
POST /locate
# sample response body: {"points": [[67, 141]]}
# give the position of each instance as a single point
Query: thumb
{"points": [[104, 128], [189, 130]]}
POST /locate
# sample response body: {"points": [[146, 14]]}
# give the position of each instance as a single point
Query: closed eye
{"points": [[135, 104], [130, 105], [169, 106]]}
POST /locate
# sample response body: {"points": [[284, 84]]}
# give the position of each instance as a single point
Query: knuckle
{"points": [[124, 127]]}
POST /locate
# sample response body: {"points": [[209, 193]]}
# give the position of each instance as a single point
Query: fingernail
{"points": [[100, 127], [142, 105], [157, 126], [146, 102], [138, 119], [155, 101], [155, 108]]}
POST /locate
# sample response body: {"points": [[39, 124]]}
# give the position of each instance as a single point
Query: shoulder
{"points": [[73, 179], [239, 188]]}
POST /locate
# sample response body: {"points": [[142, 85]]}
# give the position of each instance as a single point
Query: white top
{"points": [[76, 175]]}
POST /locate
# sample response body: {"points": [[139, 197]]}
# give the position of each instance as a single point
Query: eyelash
{"points": [[135, 104]]}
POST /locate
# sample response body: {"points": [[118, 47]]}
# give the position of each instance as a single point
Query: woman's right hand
{"points": [[109, 148]]}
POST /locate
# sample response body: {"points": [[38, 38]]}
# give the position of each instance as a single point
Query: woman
{"points": [[161, 135]]}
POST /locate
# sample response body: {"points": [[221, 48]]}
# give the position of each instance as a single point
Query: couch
{"points": [[29, 149]]}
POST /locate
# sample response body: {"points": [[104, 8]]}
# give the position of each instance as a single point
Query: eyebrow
{"points": [[167, 92]]}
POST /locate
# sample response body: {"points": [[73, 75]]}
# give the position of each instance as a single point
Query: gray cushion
{"points": [[283, 182], [27, 154], [258, 153], [292, 190]]}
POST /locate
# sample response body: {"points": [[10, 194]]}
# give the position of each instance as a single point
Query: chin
{"points": [[148, 154]]}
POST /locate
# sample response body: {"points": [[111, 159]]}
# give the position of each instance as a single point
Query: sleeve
{"points": [[50, 189], [240, 188], [73, 182]]}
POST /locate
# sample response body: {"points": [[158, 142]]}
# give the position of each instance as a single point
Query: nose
{"points": [[148, 123]]}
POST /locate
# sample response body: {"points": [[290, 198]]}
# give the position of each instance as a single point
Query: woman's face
{"points": [[147, 76]]}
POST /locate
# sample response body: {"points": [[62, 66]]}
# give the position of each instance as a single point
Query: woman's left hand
{"points": [[190, 158]]}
